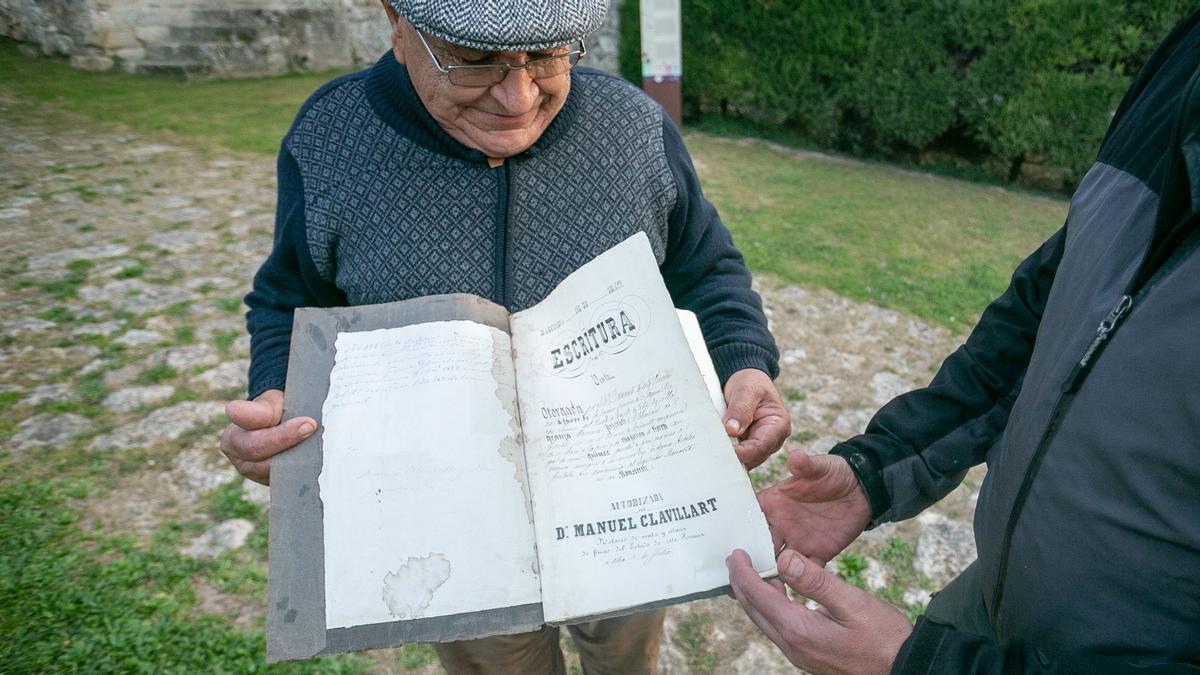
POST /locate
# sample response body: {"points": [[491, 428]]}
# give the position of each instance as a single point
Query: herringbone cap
{"points": [[504, 25]]}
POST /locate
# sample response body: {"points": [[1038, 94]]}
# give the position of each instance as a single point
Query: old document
{"points": [[638, 496], [423, 477]]}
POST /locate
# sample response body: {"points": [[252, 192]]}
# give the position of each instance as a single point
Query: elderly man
{"points": [[1079, 389], [473, 158]]}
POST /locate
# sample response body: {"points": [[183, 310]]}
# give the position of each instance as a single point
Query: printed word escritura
{"points": [[588, 341]]}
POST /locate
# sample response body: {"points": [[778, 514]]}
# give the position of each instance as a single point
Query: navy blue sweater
{"points": [[378, 204]]}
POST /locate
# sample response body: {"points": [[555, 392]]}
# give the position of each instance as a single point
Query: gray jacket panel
{"points": [[1115, 479]]}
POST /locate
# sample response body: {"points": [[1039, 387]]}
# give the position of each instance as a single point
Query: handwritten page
{"points": [[426, 508], [638, 495]]}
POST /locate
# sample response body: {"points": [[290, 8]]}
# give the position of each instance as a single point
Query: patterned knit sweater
{"points": [[377, 204]]}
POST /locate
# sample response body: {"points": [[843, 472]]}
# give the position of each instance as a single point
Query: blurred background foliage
{"points": [[1022, 88]]}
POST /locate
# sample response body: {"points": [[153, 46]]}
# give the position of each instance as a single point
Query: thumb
{"points": [[816, 583], [739, 411], [818, 468], [264, 411], [801, 465], [806, 480]]}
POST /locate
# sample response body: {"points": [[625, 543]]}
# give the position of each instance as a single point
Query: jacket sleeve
{"points": [[287, 280], [936, 649], [919, 446], [707, 275]]}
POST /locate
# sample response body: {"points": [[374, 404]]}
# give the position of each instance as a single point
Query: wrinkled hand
{"points": [[755, 416], [819, 509], [851, 632], [254, 434]]}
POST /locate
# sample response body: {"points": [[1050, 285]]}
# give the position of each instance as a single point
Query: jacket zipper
{"points": [[1106, 328], [1082, 367], [500, 252]]}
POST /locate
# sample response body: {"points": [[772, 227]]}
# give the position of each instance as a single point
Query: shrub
{"points": [[1017, 82]]}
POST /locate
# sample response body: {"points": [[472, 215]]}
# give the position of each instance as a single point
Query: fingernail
{"points": [[792, 564], [734, 427], [307, 428]]}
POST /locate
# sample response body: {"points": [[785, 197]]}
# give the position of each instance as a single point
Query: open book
{"points": [[477, 473]]}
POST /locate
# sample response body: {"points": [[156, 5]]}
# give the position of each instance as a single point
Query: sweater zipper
{"points": [[500, 251]]}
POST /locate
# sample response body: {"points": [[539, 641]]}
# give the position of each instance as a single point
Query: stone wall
{"points": [[219, 38], [201, 38], [603, 44]]}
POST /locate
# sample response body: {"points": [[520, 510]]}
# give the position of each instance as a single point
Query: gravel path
{"points": [[124, 262]]}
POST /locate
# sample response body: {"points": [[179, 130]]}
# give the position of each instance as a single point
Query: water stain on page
{"points": [[318, 337], [408, 591], [512, 446]]}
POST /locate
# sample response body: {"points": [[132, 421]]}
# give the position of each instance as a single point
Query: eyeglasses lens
{"points": [[486, 76]]}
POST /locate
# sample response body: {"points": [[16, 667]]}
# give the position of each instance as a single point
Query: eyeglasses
{"points": [[485, 75]]}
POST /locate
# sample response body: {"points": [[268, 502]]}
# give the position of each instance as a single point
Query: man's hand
{"points": [[819, 509], [755, 416], [851, 632], [255, 434]]}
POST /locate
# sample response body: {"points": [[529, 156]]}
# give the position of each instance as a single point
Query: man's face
{"points": [[501, 120]]}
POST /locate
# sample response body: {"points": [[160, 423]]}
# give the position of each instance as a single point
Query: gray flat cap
{"points": [[504, 25]]}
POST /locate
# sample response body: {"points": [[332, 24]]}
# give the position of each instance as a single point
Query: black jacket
{"points": [[1080, 388]]}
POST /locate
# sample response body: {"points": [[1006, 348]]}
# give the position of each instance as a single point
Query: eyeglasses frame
{"points": [[501, 69]]}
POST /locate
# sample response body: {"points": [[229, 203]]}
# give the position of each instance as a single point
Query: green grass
{"points": [[793, 394], [157, 374], [90, 388], [68, 286], [227, 502], [57, 314], [691, 636], [804, 436], [8, 425], [185, 333], [225, 339], [899, 555], [73, 602], [417, 656], [230, 304], [8, 398], [852, 567], [181, 395], [236, 114], [938, 248], [991, 171], [132, 272]]}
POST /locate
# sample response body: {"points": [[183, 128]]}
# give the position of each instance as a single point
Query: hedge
{"points": [[1024, 87]]}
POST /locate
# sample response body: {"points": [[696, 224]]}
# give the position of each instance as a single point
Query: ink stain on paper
{"points": [[408, 591]]}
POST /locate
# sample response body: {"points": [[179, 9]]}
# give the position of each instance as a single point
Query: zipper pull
{"points": [[1103, 331]]}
